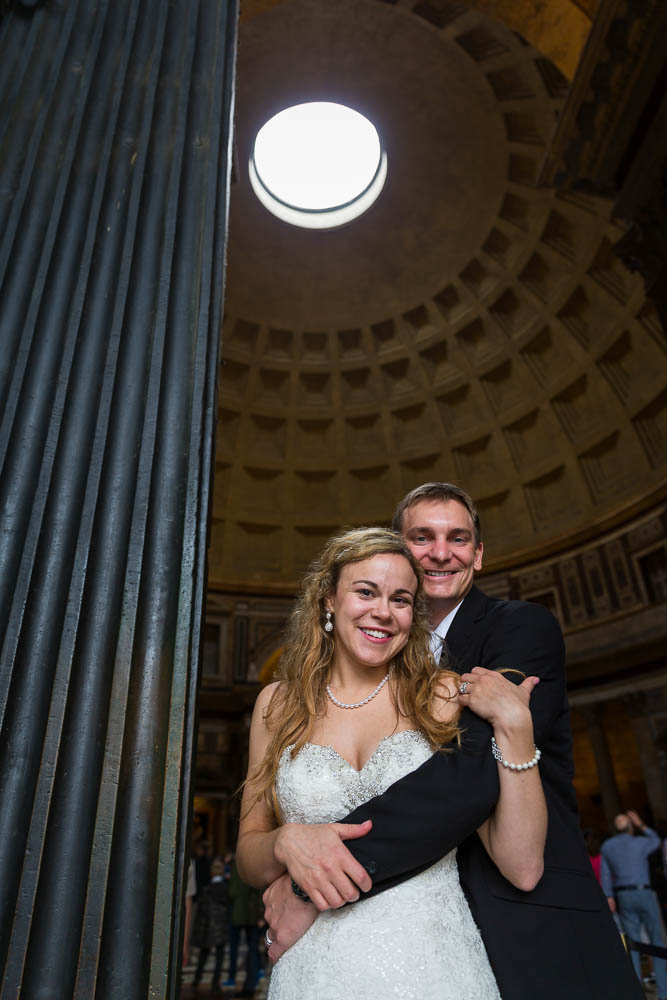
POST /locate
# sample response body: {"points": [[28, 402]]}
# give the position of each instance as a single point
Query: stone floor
{"points": [[188, 991], [649, 990]]}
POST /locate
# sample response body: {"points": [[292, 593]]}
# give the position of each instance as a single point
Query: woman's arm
{"points": [[258, 828], [514, 834], [264, 846]]}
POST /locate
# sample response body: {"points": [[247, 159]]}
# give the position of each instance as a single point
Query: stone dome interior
{"points": [[472, 326]]}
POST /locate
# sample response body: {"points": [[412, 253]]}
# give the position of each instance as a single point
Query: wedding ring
{"points": [[463, 689], [268, 940]]}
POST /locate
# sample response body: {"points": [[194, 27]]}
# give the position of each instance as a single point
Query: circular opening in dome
{"points": [[318, 165]]}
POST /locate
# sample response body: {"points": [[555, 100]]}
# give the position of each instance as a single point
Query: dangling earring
{"points": [[329, 625]]}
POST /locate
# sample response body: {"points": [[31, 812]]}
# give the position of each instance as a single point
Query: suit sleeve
{"points": [[528, 638], [430, 811]]}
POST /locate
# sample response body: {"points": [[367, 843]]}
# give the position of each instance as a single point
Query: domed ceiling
{"points": [[471, 326]]}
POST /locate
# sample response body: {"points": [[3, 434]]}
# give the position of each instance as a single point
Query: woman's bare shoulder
{"points": [[259, 729], [265, 697]]}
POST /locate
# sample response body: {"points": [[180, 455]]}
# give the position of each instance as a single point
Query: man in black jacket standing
{"points": [[557, 940]]}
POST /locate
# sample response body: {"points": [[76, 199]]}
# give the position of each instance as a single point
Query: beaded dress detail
{"points": [[417, 940]]}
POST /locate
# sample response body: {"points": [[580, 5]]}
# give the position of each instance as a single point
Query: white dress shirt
{"points": [[440, 631]]}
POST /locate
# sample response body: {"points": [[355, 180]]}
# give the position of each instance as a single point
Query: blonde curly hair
{"points": [[304, 668]]}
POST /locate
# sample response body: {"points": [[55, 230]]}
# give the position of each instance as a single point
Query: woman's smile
{"points": [[376, 635]]}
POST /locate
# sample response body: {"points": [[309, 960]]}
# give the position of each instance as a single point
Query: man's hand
{"points": [[287, 917], [612, 903], [318, 861], [636, 819]]}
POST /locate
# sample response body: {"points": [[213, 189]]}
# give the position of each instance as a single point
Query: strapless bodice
{"points": [[320, 786], [415, 941]]}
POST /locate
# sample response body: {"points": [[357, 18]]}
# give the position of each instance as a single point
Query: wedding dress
{"points": [[416, 940]]}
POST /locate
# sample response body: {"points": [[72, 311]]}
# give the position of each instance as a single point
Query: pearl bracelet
{"points": [[498, 754]]}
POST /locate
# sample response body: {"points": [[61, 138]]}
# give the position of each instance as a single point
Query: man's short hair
{"points": [[437, 491]]}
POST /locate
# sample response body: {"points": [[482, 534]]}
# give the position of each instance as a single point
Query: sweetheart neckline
{"points": [[385, 739]]}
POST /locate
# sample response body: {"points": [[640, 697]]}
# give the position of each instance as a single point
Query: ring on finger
{"points": [[463, 688], [268, 940]]}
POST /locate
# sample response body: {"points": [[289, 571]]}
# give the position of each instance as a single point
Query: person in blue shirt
{"points": [[624, 873]]}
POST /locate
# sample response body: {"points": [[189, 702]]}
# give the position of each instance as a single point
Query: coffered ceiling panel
{"points": [[471, 326]]}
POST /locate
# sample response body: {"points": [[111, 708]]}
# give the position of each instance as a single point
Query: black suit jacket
{"points": [[558, 940]]}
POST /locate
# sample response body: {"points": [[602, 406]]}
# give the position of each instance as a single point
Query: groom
{"points": [[555, 941]]}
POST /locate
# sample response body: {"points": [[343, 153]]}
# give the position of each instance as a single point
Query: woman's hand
{"points": [[287, 917], [492, 696], [515, 833]]}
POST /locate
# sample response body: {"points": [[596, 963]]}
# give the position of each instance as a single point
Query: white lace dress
{"points": [[417, 940]]}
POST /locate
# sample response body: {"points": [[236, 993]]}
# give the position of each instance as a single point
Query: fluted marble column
{"points": [[611, 802], [114, 178]]}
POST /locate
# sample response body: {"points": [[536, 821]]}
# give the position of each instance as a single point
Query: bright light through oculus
{"points": [[318, 165]]}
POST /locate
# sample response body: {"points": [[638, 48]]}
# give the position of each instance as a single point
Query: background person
{"points": [[190, 893], [203, 862], [627, 886], [593, 841], [246, 914], [210, 924]]}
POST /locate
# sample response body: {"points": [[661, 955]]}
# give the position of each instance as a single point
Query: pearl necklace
{"points": [[358, 704]]}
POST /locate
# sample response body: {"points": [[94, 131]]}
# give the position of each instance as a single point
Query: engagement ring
{"points": [[464, 687]]}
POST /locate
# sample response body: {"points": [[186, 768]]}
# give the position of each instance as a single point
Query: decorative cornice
{"points": [[618, 70]]}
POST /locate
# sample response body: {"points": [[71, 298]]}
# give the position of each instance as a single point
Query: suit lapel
{"points": [[461, 631]]}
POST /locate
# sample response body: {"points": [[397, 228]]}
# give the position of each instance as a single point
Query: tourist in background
{"points": [[246, 914], [593, 841], [210, 924], [190, 893], [202, 865], [627, 886]]}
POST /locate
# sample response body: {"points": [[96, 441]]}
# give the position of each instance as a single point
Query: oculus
{"points": [[318, 165]]}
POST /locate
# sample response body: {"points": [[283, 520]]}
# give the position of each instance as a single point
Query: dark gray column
{"points": [[611, 801], [114, 178], [648, 718]]}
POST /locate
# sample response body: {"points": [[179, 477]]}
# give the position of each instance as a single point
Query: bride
{"points": [[358, 705]]}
